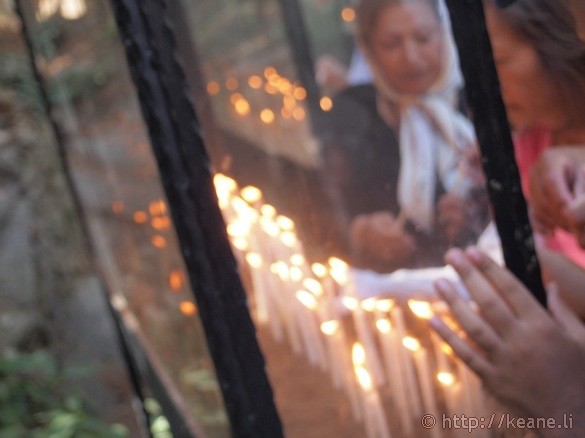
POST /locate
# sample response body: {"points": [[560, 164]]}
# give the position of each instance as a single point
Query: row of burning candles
{"points": [[310, 305]]}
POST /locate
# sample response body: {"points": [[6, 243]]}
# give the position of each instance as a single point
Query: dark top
{"points": [[361, 163]]}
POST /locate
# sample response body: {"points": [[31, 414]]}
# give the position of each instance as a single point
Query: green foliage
{"points": [[31, 404]]}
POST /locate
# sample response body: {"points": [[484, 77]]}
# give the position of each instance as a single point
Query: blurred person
{"points": [[394, 148]]}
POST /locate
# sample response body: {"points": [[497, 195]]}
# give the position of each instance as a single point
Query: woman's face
{"points": [[528, 91], [406, 43]]}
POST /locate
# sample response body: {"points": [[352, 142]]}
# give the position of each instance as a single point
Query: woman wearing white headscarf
{"points": [[395, 147]]}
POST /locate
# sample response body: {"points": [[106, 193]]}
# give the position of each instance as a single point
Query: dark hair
{"points": [[368, 11], [549, 26]]}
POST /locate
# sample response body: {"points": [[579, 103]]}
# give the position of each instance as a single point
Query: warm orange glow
{"points": [[232, 84], [284, 86], [269, 227], [242, 107], [299, 113], [285, 223], [358, 354], [238, 229], [307, 299], [446, 378], [285, 113], [255, 82], [160, 223], [368, 305], [251, 194], [269, 71], [187, 308], [235, 97], [289, 102], [268, 211], [270, 89], [73, 9], [267, 116], [254, 260], [140, 217], [313, 286], [117, 207], [319, 270], [350, 303], [241, 243], [447, 349], [411, 343], [280, 269], [176, 280], [422, 309], [213, 88], [326, 103], [157, 208], [159, 242], [288, 238], [329, 327], [337, 263], [384, 305], [364, 378], [296, 273], [348, 14], [384, 326], [300, 93]]}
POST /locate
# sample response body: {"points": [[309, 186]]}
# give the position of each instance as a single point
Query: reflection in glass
{"points": [[80, 56], [339, 220]]}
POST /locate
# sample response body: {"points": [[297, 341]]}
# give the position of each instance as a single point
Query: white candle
{"points": [[374, 416]]}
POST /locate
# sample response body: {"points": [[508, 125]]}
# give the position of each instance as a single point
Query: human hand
{"points": [[378, 235], [527, 358]]}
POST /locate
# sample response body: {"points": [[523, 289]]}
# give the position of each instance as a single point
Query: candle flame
{"points": [[255, 82], [213, 88], [280, 269], [445, 378], [364, 378], [268, 211], [337, 263], [358, 354], [384, 326], [187, 308], [267, 116], [242, 107], [297, 259], [140, 217], [157, 208], [251, 194], [269, 227], [288, 238], [319, 270], [269, 71], [176, 280], [285, 223], [348, 14], [422, 309], [339, 275], [254, 260], [369, 305], [241, 243], [350, 303], [296, 273], [299, 113], [117, 206], [160, 223], [238, 229], [231, 84], [411, 343], [447, 349], [73, 9], [385, 305], [326, 103], [159, 242], [330, 327], [313, 286], [300, 93], [307, 299]]}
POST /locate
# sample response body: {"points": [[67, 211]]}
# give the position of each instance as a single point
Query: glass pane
{"points": [[340, 218], [80, 56]]}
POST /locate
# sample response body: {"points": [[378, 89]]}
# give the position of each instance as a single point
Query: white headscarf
{"points": [[433, 134]]}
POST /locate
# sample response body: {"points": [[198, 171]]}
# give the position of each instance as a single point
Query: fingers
{"points": [[470, 356], [564, 315], [521, 301], [474, 326], [491, 304]]}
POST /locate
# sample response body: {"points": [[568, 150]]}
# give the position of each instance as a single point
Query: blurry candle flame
{"points": [[300, 93], [326, 103], [350, 303], [242, 107], [159, 242], [411, 343], [307, 299], [358, 354], [422, 309], [296, 274], [329, 327], [140, 217], [47, 8], [213, 88], [117, 207], [337, 263], [241, 243], [297, 259], [319, 270], [187, 308], [157, 208], [269, 227], [231, 84], [285, 223], [280, 269], [313, 286], [384, 326], [298, 114], [176, 280], [160, 223], [251, 194], [238, 229], [270, 89], [348, 14], [255, 82], [288, 238], [235, 97], [446, 349], [384, 305], [73, 9], [267, 116], [269, 71], [364, 378], [268, 210], [254, 260], [447, 379], [289, 102], [339, 275], [368, 305]]}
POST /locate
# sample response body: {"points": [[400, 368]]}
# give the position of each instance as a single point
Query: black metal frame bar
{"points": [[497, 150]]}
